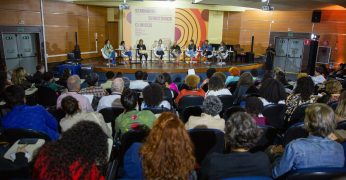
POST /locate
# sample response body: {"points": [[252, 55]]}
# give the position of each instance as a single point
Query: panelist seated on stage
{"points": [[175, 51], [108, 50], [191, 49], [207, 49], [222, 52], [142, 50], [125, 53], [159, 50]]}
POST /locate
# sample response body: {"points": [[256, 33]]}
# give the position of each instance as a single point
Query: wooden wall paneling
{"points": [[283, 26], [112, 33], [27, 5], [294, 16], [333, 15], [330, 27], [61, 20], [13, 17], [51, 6]]}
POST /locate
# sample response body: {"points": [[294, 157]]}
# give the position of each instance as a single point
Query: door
{"points": [[289, 54], [20, 51], [10, 51]]}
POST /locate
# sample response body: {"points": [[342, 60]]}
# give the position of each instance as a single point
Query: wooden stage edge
{"points": [[171, 67]]}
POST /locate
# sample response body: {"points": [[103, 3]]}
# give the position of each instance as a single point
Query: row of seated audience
{"points": [[168, 151]]}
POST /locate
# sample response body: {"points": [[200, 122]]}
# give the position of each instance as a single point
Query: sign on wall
{"points": [[152, 24]]}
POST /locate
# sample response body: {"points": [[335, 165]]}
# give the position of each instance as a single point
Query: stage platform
{"points": [[169, 67]]}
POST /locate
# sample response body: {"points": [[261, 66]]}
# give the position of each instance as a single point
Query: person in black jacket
{"points": [[141, 50], [37, 78], [241, 134]]}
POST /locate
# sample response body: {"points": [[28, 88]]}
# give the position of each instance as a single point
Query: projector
{"points": [[123, 6], [267, 7]]}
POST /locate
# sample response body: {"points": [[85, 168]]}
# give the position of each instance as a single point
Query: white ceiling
{"points": [[277, 4], [280, 4]]}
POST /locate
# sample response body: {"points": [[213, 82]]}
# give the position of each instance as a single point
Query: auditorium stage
{"points": [[169, 67]]}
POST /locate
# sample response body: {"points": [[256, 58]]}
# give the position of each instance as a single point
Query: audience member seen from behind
{"points": [[63, 80], [241, 134], [216, 87], [167, 92], [74, 115], [76, 155], [49, 82], [153, 97], [73, 86], [317, 150], [37, 78], [210, 118], [4, 82], [93, 89], [23, 116], [340, 111], [318, 78], [302, 94], [19, 77], [272, 92], [191, 81], [210, 72], [108, 84], [333, 89], [254, 107], [112, 100], [131, 118], [170, 84], [167, 152], [220, 75], [234, 77], [139, 83], [244, 86]]}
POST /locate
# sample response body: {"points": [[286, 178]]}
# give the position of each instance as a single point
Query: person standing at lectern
{"points": [[270, 52]]}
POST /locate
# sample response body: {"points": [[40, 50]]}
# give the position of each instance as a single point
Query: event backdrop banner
{"points": [[152, 24], [191, 24], [168, 24]]}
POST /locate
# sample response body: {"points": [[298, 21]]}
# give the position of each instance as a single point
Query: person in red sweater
{"points": [[191, 81], [75, 156]]}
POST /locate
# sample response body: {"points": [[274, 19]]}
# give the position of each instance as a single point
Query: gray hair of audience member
{"points": [[73, 83], [126, 82], [92, 79], [118, 85], [241, 131], [212, 105]]}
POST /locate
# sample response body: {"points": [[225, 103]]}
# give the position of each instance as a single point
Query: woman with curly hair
{"points": [[272, 92], [191, 81], [75, 156], [241, 134], [167, 153], [210, 118], [302, 94]]}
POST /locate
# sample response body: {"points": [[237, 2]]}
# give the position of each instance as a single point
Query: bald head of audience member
{"points": [[73, 83], [118, 85]]}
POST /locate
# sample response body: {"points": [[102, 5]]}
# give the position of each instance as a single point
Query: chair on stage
{"points": [[107, 58]]}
